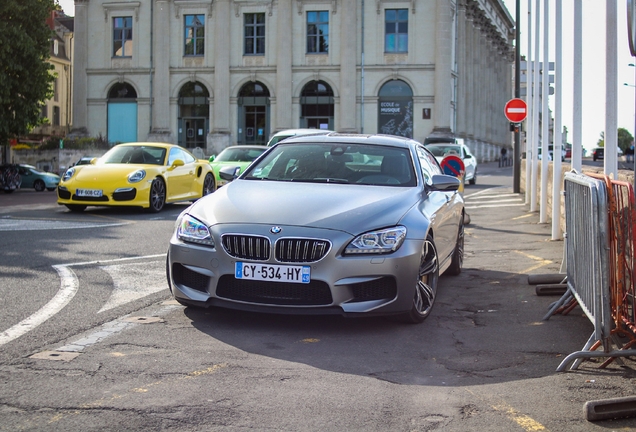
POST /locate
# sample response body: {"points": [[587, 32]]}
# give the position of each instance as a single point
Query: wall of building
{"points": [[458, 65]]}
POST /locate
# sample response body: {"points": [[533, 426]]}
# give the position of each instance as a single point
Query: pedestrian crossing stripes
{"points": [[493, 198]]}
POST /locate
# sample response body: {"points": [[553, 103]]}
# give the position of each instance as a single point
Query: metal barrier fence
{"points": [[596, 257]]}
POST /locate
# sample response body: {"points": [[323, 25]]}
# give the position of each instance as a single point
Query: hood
{"points": [[91, 172], [350, 208]]}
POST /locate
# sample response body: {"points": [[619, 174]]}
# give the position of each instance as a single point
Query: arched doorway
{"points": [[194, 115], [395, 109], [253, 114], [316, 106], [122, 114]]}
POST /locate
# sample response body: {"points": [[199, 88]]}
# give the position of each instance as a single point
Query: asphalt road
{"points": [[90, 339]]}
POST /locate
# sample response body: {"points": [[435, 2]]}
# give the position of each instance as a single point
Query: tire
{"points": [[426, 285], [209, 185], [157, 196], [39, 185], [473, 180], [457, 261], [76, 208]]}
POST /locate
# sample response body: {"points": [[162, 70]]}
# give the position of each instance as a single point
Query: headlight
{"points": [[192, 230], [382, 241], [137, 176], [68, 174]]}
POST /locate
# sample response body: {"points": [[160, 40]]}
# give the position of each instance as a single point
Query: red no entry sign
{"points": [[516, 110]]}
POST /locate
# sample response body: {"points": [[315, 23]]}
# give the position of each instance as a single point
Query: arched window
{"points": [[316, 105], [194, 115], [395, 109], [253, 104], [122, 113]]}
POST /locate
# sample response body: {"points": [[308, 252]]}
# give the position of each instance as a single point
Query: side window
{"points": [[318, 32], [122, 37], [396, 25], [187, 157], [428, 164], [254, 34], [175, 154], [194, 35]]}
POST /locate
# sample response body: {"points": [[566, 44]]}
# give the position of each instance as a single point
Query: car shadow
{"points": [[486, 327]]}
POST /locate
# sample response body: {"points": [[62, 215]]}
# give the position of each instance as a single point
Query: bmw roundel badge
{"points": [[275, 230]]}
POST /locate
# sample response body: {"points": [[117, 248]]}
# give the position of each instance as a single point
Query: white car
{"points": [[441, 150], [279, 136]]}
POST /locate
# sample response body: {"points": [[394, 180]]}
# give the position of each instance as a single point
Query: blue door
{"points": [[122, 122]]}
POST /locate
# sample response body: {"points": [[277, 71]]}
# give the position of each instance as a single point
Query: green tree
{"points": [[25, 77], [624, 139]]}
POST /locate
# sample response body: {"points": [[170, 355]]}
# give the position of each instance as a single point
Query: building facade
{"points": [[58, 110], [211, 73]]}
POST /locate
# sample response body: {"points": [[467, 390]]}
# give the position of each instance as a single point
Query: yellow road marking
{"points": [[541, 262], [525, 422], [523, 217], [101, 402]]}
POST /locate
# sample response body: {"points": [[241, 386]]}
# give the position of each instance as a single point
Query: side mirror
{"points": [[93, 161], [445, 183], [229, 173], [177, 163], [212, 158]]}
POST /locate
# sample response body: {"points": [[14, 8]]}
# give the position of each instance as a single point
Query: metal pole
{"points": [[545, 114], [610, 155], [577, 115], [516, 168], [558, 138], [529, 101], [535, 110]]}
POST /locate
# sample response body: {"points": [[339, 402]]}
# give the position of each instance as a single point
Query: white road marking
{"points": [[133, 281], [69, 286], [7, 224], [489, 198], [62, 298]]}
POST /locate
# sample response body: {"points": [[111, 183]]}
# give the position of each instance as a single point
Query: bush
{"points": [[83, 143]]}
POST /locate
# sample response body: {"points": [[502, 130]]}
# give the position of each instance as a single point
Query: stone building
{"points": [[211, 73], [58, 109]]}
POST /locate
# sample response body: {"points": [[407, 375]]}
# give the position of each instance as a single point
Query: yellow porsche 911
{"points": [[146, 175]]}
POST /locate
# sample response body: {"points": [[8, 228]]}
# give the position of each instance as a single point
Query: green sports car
{"points": [[240, 156]]}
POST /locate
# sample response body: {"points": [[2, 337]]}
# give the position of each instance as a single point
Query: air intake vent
{"points": [[298, 250], [247, 247]]}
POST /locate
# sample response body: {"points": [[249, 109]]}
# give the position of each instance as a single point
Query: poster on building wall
{"points": [[396, 117]]}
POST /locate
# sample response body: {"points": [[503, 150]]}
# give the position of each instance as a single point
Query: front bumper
{"points": [[347, 285]]}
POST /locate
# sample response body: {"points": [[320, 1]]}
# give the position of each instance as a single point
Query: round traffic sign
{"points": [[453, 165], [516, 110]]}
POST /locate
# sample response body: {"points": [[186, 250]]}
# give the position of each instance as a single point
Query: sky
{"points": [[594, 20], [593, 64]]}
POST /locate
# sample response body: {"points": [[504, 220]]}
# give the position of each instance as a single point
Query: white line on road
{"points": [[69, 286]]}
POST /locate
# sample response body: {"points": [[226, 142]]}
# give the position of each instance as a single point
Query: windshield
{"points": [[239, 154], [336, 163], [444, 150], [134, 155]]}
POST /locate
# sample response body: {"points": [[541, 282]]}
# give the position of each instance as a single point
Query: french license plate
{"points": [[88, 192], [268, 272]]}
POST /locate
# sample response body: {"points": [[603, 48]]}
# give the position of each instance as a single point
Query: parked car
{"points": [[441, 150], [309, 228], [146, 175], [239, 156], [83, 161], [598, 153], [34, 178], [279, 136]]}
